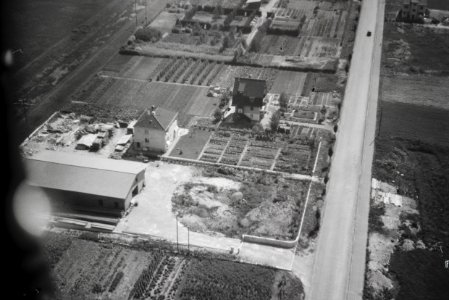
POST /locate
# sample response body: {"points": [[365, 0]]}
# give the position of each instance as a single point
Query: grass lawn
{"points": [[191, 144]]}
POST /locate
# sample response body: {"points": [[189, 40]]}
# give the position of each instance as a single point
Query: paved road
{"points": [[339, 265]]}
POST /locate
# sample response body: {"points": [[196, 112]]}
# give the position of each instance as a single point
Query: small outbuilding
{"points": [[80, 182]]}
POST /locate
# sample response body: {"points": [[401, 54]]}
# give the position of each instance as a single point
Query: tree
{"points": [[283, 101], [218, 115], [257, 129], [274, 122]]}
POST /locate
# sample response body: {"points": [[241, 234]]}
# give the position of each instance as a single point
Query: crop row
{"points": [[209, 157], [230, 159], [146, 277]]}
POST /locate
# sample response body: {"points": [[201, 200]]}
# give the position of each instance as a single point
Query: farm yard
{"points": [[90, 266], [235, 202]]}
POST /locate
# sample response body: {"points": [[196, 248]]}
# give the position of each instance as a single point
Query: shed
{"points": [[86, 142]]}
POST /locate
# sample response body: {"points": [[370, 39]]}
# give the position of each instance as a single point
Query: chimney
{"points": [[153, 109]]}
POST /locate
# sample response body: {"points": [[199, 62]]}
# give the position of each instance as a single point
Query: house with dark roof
{"points": [[85, 183], [413, 10], [155, 130], [248, 95]]}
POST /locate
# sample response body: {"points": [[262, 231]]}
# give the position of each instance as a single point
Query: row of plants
{"points": [[169, 72], [180, 71], [160, 67], [167, 68], [141, 285]]}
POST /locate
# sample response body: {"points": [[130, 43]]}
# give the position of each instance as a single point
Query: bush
{"points": [[274, 122], [283, 101], [218, 115], [148, 35], [116, 281]]}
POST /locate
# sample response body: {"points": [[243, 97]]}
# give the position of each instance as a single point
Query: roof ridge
{"points": [[80, 166]]}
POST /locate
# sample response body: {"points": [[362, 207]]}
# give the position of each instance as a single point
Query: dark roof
{"points": [[250, 87], [248, 91], [160, 119], [82, 173]]}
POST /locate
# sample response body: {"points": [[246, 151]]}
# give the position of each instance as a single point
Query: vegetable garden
{"points": [[84, 268], [293, 152]]}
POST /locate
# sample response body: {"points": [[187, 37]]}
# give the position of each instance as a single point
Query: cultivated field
{"points": [[414, 122], [186, 99], [416, 89], [412, 155], [303, 46], [226, 77], [291, 153], [84, 268], [289, 82]]}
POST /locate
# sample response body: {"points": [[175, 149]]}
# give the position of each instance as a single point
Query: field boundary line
{"points": [[204, 148], [242, 155], [317, 156], [224, 150], [294, 176], [278, 153]]}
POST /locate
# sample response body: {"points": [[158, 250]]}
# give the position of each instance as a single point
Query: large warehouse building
{"points": [[83, 182]]}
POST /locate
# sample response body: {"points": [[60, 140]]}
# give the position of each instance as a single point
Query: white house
{"points": [[155, 130]]}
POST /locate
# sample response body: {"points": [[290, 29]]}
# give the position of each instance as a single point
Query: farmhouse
{"points": [[85, 183], [155, 130], [413, 9], [248, 95]]}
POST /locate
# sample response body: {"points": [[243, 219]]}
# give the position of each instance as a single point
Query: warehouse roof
{"points": [[82, 173]]}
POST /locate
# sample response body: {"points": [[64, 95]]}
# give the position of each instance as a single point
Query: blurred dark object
{"points": [[26, 274]]}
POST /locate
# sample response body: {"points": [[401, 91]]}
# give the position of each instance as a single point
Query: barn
{"points": [[85, 183]]}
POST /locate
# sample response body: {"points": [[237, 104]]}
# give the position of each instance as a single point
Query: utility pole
{"points": [[135, 10], [146, 18], [177, 242]]}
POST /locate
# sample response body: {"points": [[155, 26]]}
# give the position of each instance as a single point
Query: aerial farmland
{"points": [[231, 189]]}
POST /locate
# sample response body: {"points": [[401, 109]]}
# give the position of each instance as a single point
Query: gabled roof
{"points": [[249, 92], [249, 87], [160, 119], [82, 173]]}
